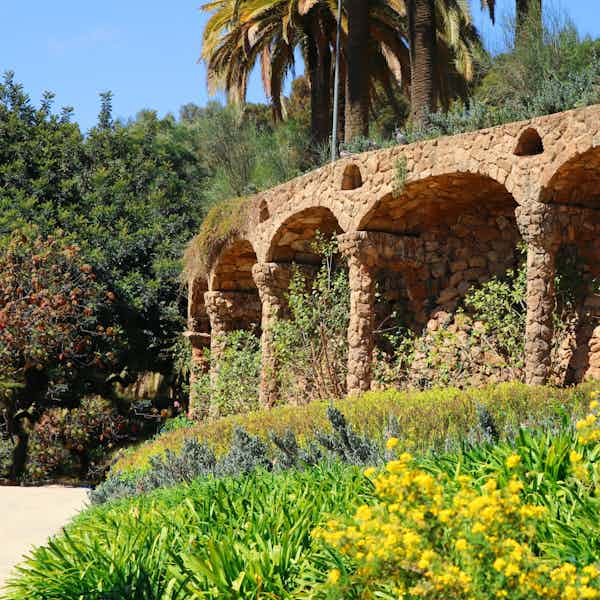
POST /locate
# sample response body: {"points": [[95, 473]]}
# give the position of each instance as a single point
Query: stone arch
{"points": [[573, 193], [576, 182], [467, 227], [351, 179], [293, 239], [530, 143], [232, 271], [436, 200]]}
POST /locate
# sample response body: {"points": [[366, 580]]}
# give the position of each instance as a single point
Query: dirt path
{"points": [[29, 515]]}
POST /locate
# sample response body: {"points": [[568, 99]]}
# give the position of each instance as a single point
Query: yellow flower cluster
{"points": [[588, 429], [450, 538]]}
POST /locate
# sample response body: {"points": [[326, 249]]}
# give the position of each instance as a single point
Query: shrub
{"points": [[75, 442], [310, 344], [54, 336], [234, 389], [247, 537], [513, 518], [501, 521], [434, 419]]}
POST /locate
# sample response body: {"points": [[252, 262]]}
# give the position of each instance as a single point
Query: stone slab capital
{"points": [[272, 277], [374, 248]]}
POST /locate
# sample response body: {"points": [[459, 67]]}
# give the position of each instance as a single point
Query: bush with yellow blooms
{"points": [[441, 535]]}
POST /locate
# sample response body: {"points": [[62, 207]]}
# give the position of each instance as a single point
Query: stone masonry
{"points": [[464, 205]]}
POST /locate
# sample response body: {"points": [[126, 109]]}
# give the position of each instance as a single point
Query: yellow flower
{"points": [[575, 457], [512, 461], [594, 404], [392, 443], [499, 564], [461, 544], [334, 576], [370, 472]]}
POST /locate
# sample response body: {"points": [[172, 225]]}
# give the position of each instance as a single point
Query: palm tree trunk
{"points": [[319, 75], [421, 24], [357, 81], [528, 20]]}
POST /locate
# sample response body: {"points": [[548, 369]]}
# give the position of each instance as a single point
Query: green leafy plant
{"points": [[310, 344], [234, 387]]}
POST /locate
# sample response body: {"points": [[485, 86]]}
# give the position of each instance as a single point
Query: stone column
{"points": [[198, 328], [361, 277], [228, 311], [200, 364], [272, 281], [538, 226], [219, 307]]}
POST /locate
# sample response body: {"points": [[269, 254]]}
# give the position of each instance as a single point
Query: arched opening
{"points": [[233, 271], [263, 211], [351, 179], [467, 227], [311, 356], [232, 276], [576, 182], [529, 144], [574, 193], [295, 239]]}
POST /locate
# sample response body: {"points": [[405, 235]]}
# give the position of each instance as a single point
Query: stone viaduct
{"points": [[463, 204]]}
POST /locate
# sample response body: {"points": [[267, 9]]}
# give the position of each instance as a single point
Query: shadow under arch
{"points": [[576, 182], [294, 238], [438, 200], [232, 271]]}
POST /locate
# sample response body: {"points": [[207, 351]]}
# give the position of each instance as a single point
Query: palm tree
{"points": [[357, 73], [528, 12], [422, 36], [241, 33]]}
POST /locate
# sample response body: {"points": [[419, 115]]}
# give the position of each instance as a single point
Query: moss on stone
{"points": [[223, 222]]}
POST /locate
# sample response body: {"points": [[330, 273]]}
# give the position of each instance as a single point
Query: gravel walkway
{"points": [[30, 515]]}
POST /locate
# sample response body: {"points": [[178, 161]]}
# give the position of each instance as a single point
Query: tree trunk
{"points": [[22, 409], [357, 82], [319, 67], [421, 23], [19, 454], [528, 20]]}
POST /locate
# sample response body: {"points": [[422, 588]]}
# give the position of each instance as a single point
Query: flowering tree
{"points": [[51, 331]]}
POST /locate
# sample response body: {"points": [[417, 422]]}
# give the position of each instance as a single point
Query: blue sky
{"points": [[144, 51]]}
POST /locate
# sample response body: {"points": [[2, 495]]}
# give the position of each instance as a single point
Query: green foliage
{"points": [[509, 518], [310, 345], [75, 442], [246, 453], [500, 306], [400, 173], [234, 389], [238, 538], [222, 222], [262, 534], [552, 72], [436, 419], [129, 195]]}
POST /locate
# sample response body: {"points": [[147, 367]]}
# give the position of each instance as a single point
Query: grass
{"points": [[435, 419]]}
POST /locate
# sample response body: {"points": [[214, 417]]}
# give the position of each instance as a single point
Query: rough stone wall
{"points": [[466, 200]]}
